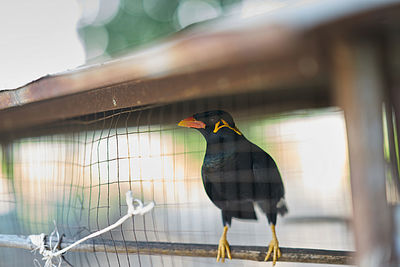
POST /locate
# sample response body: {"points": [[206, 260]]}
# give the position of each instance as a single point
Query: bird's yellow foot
{"points": [[223, 247], [273, 248]]}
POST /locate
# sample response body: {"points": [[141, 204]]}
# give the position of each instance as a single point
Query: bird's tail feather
{"points": [[281, 207]]}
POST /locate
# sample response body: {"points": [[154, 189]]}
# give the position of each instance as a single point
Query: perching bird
{"points": [[236, 175]]}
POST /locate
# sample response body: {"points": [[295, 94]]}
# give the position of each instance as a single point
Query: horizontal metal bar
{"points": [[253, 253]]}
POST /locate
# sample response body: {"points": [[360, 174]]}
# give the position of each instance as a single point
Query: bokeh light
{"points": [[90, 9], [107, 11], [160, 10], [96, 41], [45, 37], [138, 22], [193, 11]]}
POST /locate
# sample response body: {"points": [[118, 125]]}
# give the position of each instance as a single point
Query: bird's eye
{"points": [[212, 120]]}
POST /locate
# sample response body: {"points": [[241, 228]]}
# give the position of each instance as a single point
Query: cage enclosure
{"points": [[317, 91]]}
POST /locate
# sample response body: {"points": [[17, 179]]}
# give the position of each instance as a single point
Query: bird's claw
{"points": [[273, 247], [222, 247]]}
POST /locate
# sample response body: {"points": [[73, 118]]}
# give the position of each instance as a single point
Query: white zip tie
{"points": [[52, 253]]}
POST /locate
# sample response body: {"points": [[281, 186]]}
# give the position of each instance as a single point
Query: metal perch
{"points": [[254, 253]]}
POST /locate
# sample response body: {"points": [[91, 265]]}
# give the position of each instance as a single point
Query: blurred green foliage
{"points": [[138, 22]]}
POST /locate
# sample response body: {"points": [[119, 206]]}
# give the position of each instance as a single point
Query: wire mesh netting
{"points": [[76, 172]]}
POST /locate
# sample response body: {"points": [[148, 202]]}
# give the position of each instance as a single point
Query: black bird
{"points": [[236, 175]]}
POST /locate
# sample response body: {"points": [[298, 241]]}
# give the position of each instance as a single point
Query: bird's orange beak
{"points": [[192, 123]]}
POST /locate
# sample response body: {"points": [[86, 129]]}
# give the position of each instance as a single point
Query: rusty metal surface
{"points": [[262, 102], [252, 253], [284, 71], [183, 55]]}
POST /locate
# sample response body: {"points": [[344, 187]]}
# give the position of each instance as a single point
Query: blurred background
{"points": [[76, 171], [45, 36]]}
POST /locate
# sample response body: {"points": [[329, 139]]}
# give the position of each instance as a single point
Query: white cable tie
{"points": [[52, 253]]}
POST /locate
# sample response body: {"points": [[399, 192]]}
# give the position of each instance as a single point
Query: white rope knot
{"points": [[140, 208], [38, 241], [49, 253], [52, 253]]}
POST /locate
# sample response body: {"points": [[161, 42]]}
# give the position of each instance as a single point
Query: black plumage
{"points": [[237, 173]]}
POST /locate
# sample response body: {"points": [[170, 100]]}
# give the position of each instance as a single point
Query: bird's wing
{"points": [[212, 192], [266, 176]]}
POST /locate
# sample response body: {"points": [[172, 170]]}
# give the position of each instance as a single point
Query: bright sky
{"points": [[37, 38]]}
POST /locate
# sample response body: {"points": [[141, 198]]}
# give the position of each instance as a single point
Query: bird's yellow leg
{"points": [[223, 246], [273, 247]]}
